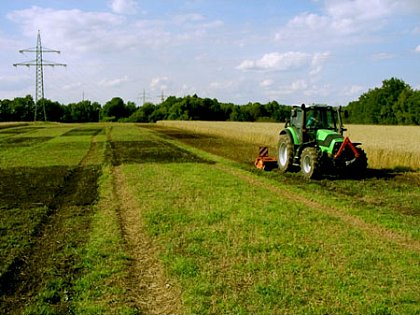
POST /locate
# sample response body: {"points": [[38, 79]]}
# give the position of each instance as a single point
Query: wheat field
{"points": [[386, 146]]}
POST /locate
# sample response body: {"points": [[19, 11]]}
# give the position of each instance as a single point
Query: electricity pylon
{"points": [[39, 64]]}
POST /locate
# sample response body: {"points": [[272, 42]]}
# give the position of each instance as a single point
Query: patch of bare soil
{"points": [[27, 187], [52, 262], [17, 129], [83, 132], [49, 258], [151, 151], [23, 141]]}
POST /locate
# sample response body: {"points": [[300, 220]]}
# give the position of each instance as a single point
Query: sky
{"points": [[239, 51]]}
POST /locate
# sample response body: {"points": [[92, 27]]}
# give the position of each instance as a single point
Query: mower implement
{"points": [[264, 161]]}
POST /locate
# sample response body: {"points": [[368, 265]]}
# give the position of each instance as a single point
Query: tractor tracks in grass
{"points": [[43, 274], [148, 284], [370, 229]]}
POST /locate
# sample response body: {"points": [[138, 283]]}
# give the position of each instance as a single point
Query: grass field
{"points": [[153, 219], [386, 146]]}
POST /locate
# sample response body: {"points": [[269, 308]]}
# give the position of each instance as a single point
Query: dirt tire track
{"points": [[370, 229], [150, 288]]}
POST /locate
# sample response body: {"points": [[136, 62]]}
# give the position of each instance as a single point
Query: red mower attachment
{"points": [[265, 162], [346, 143]]}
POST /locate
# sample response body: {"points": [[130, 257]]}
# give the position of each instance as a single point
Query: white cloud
{"points": [[266, 83], [73, 86], [359, 9], [297, 86], [73, 30], [340, 22], [159, 83], [106, 32], [319, 92], [188, 18], [318, 61], [353, 90], [277, 61], [124, 6], [113, 82], [286, 61], [382, 56], [417, 49]]}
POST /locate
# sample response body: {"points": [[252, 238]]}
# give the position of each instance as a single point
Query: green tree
{"points": [[413, 107], [53, 110], [389, 104], [6, 108], [23, 108], [143, 113], [114, 110]]}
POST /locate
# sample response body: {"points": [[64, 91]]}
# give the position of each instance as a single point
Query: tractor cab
{"points": [[306, 121]]}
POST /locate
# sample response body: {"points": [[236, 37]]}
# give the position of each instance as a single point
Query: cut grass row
{"points": [[386, 146]]}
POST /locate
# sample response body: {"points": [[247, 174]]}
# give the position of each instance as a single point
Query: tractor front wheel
{"points": [[309, 163], [285, 150]]}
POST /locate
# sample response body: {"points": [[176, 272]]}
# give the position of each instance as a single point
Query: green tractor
{"points": [[313, 141]]}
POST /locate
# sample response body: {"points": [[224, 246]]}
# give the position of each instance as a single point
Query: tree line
{"points": [[393, 103], [173, 108]]}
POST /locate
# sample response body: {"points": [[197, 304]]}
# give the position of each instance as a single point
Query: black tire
{"points": [[285, 154], [310, 163], [358, 168]]}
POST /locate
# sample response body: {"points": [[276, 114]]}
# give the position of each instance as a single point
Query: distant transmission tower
{"points": [[39, 64]]}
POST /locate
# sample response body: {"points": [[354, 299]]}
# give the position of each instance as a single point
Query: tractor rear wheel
{"points": [[358, 167], [309, 163], [285, 153]]}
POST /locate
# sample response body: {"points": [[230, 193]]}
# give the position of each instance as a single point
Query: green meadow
{"points": [[147, 219]]}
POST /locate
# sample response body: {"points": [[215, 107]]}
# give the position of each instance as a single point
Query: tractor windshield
{"points": [[321, 118]]}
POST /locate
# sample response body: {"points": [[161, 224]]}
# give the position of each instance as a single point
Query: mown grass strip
{"points": [[102, 289], [327, 207], [17, 228], [238, 248], [149, 284]]}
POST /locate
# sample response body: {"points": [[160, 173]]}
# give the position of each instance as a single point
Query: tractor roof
{"points": [[316, 106]]}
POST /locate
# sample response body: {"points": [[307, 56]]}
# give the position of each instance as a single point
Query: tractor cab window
{"points": [[314, 119], [320, 119], [297, 121], [331, 119]]}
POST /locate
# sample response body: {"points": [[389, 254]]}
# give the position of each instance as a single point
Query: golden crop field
{"points": [[385, 146]]}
